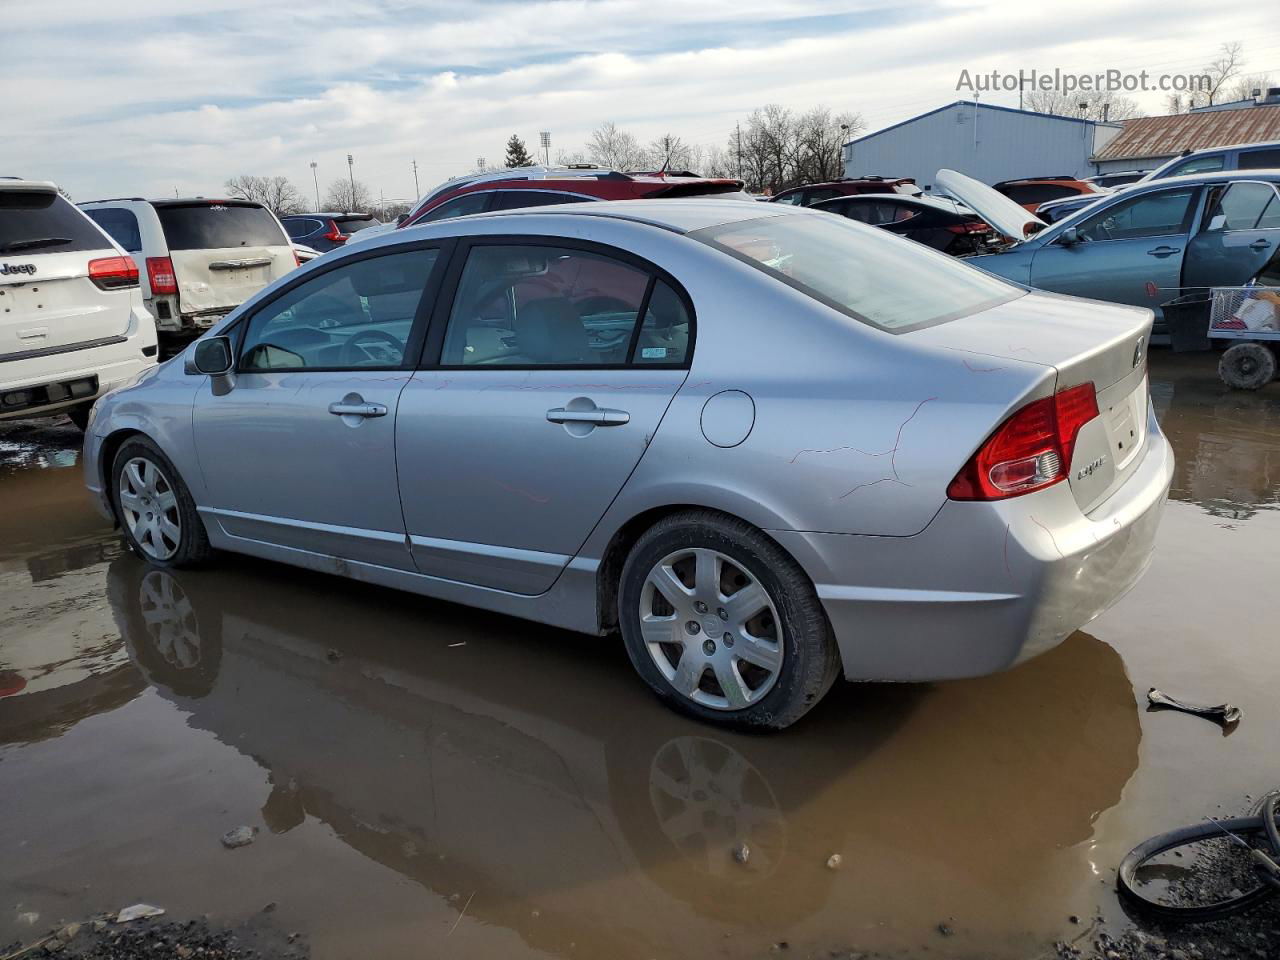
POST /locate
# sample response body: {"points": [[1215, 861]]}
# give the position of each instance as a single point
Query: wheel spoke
{"points": [[148, 473], [661, 630], [170, 529], [665, 581], [130, 501], [706, 577], [689, 672], [735, 691], [167, 501], [746, 603], [760, 652], [134, 474]]}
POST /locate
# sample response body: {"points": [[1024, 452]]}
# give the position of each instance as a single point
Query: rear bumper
{"points": [[113, 364], [985, 585]]}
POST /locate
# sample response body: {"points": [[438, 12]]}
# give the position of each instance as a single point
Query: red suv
{"points": [[539, 186], [1030, 192], [811, 193]]}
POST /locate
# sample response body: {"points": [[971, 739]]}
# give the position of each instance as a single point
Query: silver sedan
{"points": [[768, 446]]}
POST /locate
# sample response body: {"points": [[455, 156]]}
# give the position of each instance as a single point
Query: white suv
{"points": [[72, 322], [198, 258]]}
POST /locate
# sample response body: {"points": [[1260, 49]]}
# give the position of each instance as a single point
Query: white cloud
{"points": [[150, 100]]}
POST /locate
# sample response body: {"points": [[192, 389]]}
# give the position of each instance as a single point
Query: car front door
{"points": [[1240, 233], [300, 451], [1129, 252], [557, 363]]}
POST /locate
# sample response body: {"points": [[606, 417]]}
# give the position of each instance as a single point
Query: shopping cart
{"points": [[1252, 316]]}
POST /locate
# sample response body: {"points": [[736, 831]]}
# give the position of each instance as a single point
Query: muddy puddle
{"points": [[428, 780]]}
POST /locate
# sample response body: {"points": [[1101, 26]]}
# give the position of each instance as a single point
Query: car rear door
{"points": [[1131, 251], [542, 393], [1239, 234], [300, 452], [223, 252], [48, 303]]}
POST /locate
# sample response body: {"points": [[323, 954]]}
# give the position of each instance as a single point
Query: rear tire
{"points": [[759, 656], [1247, 366], [154, 507]]}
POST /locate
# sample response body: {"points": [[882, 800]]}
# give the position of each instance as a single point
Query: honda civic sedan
{"points": [[768, 446]]}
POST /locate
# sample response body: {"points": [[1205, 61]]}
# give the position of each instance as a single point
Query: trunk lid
{"points": [[1083, 341], [1010, 218], [47, 300], [223, 251]]}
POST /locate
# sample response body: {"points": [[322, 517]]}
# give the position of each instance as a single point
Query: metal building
{"points": [[986, 142]]}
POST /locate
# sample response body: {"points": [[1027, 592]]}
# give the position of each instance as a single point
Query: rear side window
{"points": [[515, 199], [213, 226], [457, 207], [531, 306], [664, 335], [1259, 159], [1244, 206], [44, 223], [301, 228], [121, 224], [877, 278], [1198, 165]]}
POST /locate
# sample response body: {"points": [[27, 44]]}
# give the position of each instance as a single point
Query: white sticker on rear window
{"points": [[653, 353]]}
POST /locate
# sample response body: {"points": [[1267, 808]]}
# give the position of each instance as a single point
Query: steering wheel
{"points": [[372, 346]]}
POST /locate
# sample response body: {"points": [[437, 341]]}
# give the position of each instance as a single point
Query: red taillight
{"points": [[297, 260], [113, 273], [1029, 451], [335, 235], [161, 276]]}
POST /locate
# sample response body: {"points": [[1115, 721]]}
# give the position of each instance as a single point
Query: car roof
{"points": [[923, 199], [679, 216], [522, 176], [1216, 176], [350, 214], [1229, 146], [28, 186]]}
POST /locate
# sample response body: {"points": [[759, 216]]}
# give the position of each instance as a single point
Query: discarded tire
{"points": [[1247, 366]]}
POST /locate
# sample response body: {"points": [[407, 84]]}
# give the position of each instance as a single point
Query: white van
{"points": [[72, 322], [198, 258]]}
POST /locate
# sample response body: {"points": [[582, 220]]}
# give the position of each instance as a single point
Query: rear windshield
{"points": [[355, 224], [32, 223], [211, 226], [871, 275]]}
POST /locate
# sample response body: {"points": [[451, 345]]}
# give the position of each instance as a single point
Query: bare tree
{"points": [[781, 149], [1243, 87], [1098, 105], [616, 149], [341, 197], [277, 194], [1227, 64]]}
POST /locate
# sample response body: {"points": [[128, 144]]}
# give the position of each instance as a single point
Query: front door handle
{"points": [[1164, 251], [348, 408], [1259, 245], [600, 416]]}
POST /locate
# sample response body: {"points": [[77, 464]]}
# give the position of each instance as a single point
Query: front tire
{"points": [[723, 624], [154, 507]]}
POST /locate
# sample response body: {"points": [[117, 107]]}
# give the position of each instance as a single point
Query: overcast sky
{"points": [[148, 96]]}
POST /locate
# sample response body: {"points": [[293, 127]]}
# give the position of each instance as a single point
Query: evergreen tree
{"points": [[518, 153]]}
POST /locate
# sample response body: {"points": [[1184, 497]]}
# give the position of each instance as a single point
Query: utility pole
{"points": [[545, 137], [739, 129], [351, 172], [416, 192], [316, 179]]}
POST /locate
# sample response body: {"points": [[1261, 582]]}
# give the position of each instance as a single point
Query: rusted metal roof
{"points": [[1150, 137]]}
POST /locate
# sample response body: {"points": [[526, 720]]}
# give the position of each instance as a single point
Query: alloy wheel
{"points": [[149, 505], [711, 629]]}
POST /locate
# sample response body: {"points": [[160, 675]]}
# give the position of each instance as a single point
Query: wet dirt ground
{"points": [[431, 781]]}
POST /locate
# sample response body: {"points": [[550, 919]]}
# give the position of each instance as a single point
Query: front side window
{"points": [[880, 279], [1151, 215], [457, 207], [354, 317], [791, 198], [1198, 165], [205, 225], [1243, 206], [121, 225], [533, 305]]}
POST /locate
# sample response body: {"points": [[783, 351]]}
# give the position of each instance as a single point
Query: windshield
{"points": [[873, 276], [350, 225], [213, 226]]}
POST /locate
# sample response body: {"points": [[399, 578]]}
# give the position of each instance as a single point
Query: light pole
{"points": [[545, 137], [416, 193], [351, 172], [316, 179]]}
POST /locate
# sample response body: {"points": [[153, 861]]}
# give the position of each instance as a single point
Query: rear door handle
{"points": [[343, 408], [600, 416], [1259, 245], [1164, 251]]}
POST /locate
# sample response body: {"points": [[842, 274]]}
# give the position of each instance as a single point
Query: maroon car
{"points": [[811, 193]]}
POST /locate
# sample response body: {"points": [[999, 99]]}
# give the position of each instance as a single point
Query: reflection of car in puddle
{"points": [[543, 777]]}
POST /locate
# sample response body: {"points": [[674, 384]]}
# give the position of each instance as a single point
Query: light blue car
{"points": [[1143, 246]]}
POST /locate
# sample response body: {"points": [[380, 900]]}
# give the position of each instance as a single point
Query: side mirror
{"points": [[1069, 237], [213, 356]]}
